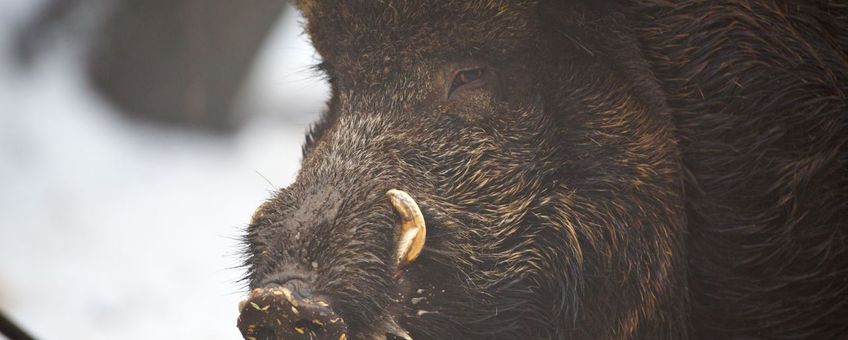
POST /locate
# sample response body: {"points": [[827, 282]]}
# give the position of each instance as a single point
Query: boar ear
{"points": [[413, 231]]}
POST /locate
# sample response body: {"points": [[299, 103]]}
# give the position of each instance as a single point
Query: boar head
{"points": [[484, 169]]}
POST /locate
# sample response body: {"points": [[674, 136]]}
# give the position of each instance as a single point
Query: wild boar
{"points": [[522, 169]]}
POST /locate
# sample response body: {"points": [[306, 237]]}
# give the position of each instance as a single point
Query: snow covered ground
{"points": [[112, 229]]}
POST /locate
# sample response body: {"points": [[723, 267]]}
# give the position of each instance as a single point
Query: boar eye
{"points": [[467, 79]]}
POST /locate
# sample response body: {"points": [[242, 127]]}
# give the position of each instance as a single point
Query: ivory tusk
{"points": [[413, 231]]}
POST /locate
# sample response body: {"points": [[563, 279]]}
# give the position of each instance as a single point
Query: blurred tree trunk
{"points": [[180, 61]]}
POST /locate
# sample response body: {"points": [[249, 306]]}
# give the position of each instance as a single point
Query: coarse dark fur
{"points": [[635, 170]]}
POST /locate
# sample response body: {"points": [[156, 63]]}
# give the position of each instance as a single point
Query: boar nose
{"points": [[288, 311]]}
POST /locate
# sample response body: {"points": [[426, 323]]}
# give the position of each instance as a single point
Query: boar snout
{"points": [[288, 303], [288, 311]]}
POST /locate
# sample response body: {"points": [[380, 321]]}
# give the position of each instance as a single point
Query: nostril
{"points": [[265, 333]]}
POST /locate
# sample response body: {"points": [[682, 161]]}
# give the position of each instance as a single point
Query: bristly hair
{"points": [[637, 170]]}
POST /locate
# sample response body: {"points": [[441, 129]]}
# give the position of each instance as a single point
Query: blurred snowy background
{"points": [[112, 228]]}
